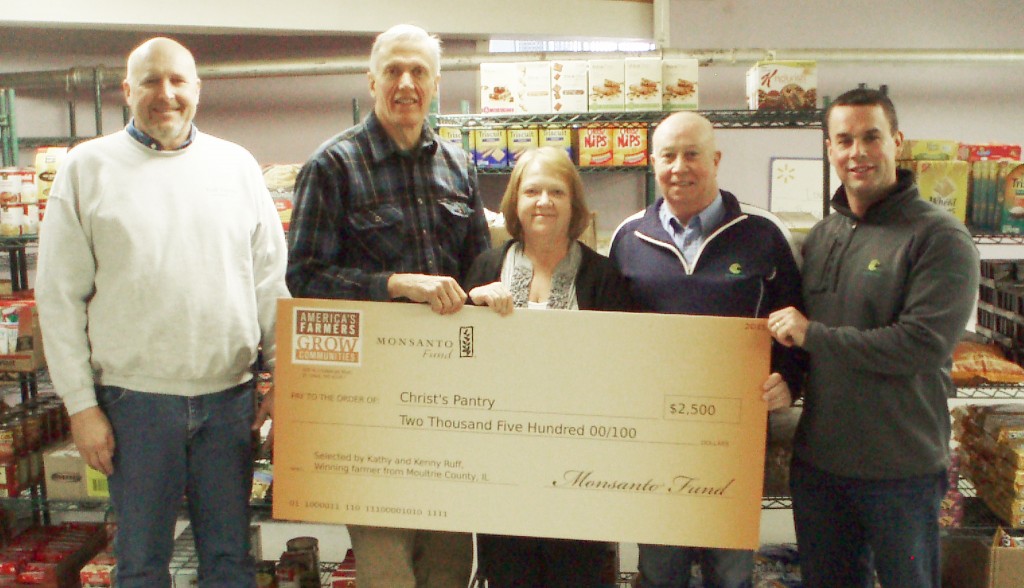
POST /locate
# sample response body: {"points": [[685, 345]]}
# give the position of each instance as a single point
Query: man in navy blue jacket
{"points": [[698, 250]]}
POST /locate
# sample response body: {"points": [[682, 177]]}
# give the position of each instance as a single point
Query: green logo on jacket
{"points": [[736, 269]]}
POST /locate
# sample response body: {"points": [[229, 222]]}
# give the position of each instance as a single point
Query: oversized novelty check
{"points": [[588, 425]]}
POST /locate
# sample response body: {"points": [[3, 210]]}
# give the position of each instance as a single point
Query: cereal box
{"points": [[560, 137], [569, 86], [1013, 200], [944, 183], [630, 146], [606, 84], [490, 147], [782, 85], [534, 87], [643, 83], [596, 146], [498, 83], [679, 83], [519, 140]]}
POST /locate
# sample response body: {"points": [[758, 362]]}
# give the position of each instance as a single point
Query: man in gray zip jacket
{"points": [[889, 283]]}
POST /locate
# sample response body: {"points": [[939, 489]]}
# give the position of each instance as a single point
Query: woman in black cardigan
{"points": [[544, 266]]}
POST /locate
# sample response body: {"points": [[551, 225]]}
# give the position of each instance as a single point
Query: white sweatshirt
{"points": [[159, 271]]}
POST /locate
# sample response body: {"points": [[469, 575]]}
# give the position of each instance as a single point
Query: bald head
{"points": [[160, 47], [686, 161], [161, 88]]}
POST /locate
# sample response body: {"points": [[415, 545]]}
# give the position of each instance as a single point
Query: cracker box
{"points": [[569, 86], [21, 344], [596, 146], [606, 85], [498, 84], [17, 186], [450, 134], [782, 85], [679, 83], [69, 478], [560, 137], [989, 152], [534, 87], [490, 147], [630, 146], [643, 83], [48, 160], [519, 140], [945, 183]]}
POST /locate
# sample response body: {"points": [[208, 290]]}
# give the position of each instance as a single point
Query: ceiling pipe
{"points": [[82, 77]]}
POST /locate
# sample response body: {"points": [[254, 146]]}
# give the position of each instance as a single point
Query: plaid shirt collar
{"points": [[382, 147]]}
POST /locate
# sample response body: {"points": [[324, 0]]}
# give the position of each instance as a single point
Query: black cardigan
{"points": [[599, 285]]}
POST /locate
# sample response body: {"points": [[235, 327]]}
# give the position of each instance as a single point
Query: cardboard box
{"points": [[490, 147], [519, 140], [569, 86], [630, 146], [972, 562], [68, 478], [989, 152], [560, 137], [606, 85], [945, 184], [1011, 188], [534, 87], [643, 83], [498, 88], [679, 82], [596, 146], [21, 343], [782, 85], [929, 150], [47, 162]]}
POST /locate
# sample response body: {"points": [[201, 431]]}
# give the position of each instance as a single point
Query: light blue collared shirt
{"points": [[689, 238]]}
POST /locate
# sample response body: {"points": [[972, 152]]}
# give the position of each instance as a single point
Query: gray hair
{"points": [[406, 33]]}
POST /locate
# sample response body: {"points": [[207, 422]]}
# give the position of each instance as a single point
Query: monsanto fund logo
{"points": [[327, 337]]}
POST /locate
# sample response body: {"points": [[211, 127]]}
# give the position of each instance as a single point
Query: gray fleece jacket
{"points": [[888, 297]]}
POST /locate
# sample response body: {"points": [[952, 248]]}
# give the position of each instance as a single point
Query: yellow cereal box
{"points": [[596, 145], [945, 183], [630, 146]]}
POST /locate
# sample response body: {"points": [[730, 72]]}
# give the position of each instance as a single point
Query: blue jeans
{"points": [[172, 446], [848, 528], [666, 566]]}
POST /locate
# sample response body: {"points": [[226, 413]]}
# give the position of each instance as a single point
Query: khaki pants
{"points": [[408, 558]]}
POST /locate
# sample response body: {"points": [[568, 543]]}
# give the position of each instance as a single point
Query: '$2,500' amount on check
{"points": [[704, 409]]}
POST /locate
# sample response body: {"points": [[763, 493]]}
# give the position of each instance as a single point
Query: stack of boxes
{"points": [[979, 184], [992, 456]]}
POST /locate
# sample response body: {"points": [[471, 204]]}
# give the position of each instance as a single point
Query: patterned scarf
{"points": [[517, 273]]}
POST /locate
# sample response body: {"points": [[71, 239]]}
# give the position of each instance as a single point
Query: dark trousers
{"points": [[847, 529], [532, 562]]}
